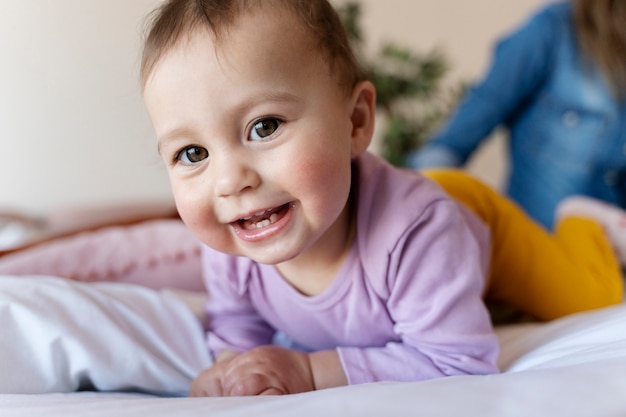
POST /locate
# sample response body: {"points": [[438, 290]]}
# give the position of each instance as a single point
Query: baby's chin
{"points": [[272, 255], [267, 259], [264, 254]]}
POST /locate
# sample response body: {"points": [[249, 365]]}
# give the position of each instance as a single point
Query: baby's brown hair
{"points": [[177, 18]]}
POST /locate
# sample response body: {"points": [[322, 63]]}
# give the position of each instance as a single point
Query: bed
{"points": [[92, 341]]}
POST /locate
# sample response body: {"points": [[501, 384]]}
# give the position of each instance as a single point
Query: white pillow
{"points": [[60, 335]]}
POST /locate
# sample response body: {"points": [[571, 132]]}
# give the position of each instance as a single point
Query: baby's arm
{"points": [[435, 281]]}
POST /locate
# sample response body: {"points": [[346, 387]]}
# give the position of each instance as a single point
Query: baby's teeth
{"points": [[267, 222], [263, 223], [260, 213]]}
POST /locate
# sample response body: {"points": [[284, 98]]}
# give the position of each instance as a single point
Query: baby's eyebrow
{"points": [[275, 96], [172, 134], [250, 102], [281, 96]]}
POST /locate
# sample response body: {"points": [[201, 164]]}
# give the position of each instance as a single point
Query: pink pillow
{"points": [[157, 254]]}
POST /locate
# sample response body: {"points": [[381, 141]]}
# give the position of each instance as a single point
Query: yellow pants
{"points": [[547, 275]]}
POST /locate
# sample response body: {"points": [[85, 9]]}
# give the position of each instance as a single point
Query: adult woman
{"points": [[558, 84]]}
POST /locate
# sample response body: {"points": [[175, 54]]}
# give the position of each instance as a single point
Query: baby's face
{"points": [[257, 138]]}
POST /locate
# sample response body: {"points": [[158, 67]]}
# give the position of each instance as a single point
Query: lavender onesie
{"points": [[405, 306]]}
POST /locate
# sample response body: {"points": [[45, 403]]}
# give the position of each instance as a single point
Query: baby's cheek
{"points": [[196, 216], [326, 180], [328, 169]]}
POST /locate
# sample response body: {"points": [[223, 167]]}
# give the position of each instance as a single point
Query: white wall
{"points": [[72, 126], [73, 129]]}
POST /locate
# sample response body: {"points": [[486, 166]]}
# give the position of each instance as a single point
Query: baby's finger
{"points": [[249, 384], [272, 391], [206, 385]]}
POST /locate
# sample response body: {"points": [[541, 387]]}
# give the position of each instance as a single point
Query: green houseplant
{"points": [[410, 94]]}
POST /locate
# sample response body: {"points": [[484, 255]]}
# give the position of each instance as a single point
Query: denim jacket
{"points": [[567, 132]]}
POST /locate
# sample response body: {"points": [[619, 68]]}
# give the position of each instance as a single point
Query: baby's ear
{"points": [[363, 107]]}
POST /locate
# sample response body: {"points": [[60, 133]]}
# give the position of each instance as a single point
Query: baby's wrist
{"points": [[326, 370], [225, 355]]}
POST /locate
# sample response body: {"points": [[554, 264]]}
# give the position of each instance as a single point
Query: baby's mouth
{"points": [[263, 218]]}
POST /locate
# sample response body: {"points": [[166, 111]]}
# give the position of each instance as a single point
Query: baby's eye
{"points": [[264, 128], [192, 155]]}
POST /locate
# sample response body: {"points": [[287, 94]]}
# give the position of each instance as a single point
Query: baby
{"points": [[263, 117]]}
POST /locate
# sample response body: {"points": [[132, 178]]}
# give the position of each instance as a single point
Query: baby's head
{"points": [[177, 19], [259, 108]]}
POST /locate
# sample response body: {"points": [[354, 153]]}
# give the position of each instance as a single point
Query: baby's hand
{"points": [[269, 370], [209, 383], [265, 370]]}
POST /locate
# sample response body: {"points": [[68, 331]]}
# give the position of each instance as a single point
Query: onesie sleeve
{"points": [[436, 278], [234, 323], [520, 64]]}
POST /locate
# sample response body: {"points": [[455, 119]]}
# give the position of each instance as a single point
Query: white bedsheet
{"points": [[575, 366]]}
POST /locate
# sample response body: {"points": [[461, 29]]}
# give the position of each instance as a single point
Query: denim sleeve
{"points": [[520, 63], [433, 155]]}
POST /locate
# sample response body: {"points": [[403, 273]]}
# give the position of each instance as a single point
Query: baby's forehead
{"points": [[263, 24], [257, 46], [281, 33]]}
